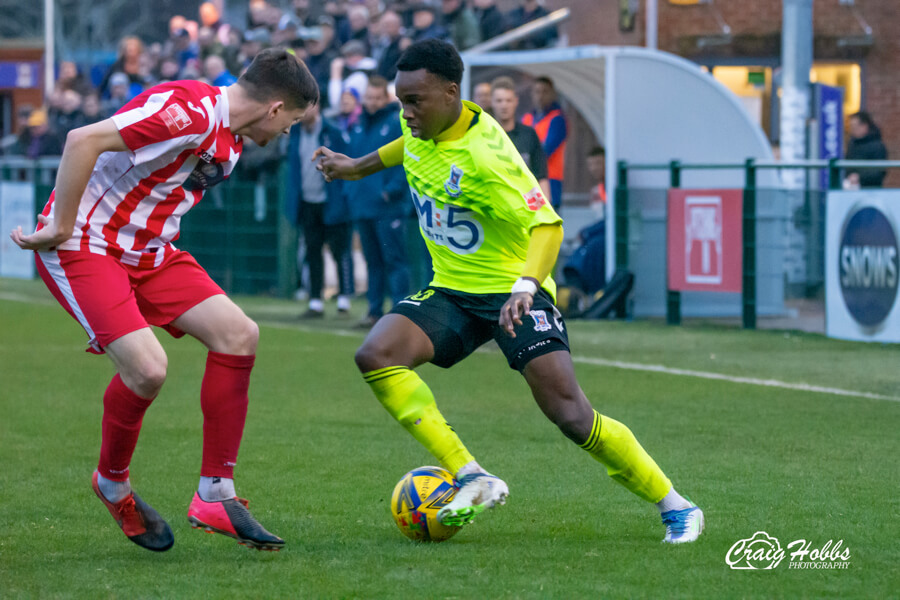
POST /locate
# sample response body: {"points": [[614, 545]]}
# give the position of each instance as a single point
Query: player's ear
{"points": [[452, 90], [275, 108]]}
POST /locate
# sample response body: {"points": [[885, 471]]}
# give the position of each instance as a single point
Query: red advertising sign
{"points": [[705, 251]]}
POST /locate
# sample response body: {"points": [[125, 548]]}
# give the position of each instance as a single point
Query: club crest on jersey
{"points": [[204, 176], [452, 184], [541, 322], [535, 199], [175, 118]]}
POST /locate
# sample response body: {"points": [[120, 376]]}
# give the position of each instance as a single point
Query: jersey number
{"points": [[450, 226]]}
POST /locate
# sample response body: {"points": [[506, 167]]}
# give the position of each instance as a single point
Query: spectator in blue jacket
{"points": [[380, 203], [216, 72], [320, 209]]}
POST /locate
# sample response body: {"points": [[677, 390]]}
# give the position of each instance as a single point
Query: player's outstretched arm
{"points": [[83, 146], [543, 249], [334, 165]]}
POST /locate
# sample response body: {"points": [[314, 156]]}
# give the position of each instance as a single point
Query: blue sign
{"points": [[830, 116], [867, 266], [20, 74]]}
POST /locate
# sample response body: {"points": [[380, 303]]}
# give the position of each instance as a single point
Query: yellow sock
{"points": [[626, 461], [408, 399]]}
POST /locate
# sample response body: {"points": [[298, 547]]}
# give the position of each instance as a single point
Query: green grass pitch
{"points": [[320, 458]]}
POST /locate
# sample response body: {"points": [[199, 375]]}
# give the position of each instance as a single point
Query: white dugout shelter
{"points": [[647, 106]]}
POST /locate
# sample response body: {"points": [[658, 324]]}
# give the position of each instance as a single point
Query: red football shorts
{"points": [[110, 299]]}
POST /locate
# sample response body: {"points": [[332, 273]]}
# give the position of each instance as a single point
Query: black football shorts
{"points": [[458, 323]]}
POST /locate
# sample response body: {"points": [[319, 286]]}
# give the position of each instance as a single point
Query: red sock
{"points": [[223, 398], [123, 412]]}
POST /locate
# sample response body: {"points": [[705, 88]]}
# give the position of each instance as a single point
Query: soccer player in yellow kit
{"points": [[493, 239]]}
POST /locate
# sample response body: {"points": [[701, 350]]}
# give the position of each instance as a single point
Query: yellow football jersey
{"points": [[477, 203]]}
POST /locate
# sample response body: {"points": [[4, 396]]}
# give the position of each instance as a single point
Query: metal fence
{"points": [[783, 239], [238, 233], [240, 236]]}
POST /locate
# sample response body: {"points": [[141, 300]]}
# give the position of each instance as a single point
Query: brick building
{"points": [[740, 42]]}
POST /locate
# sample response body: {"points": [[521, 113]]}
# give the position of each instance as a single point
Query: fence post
{"points": [[748, 232], [622, 215], [287, 240], [35, 182], [673, 298], [834, 175]]}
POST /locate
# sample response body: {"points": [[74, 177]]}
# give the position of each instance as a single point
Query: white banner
{"points": [[16, 208], [861, 265]]}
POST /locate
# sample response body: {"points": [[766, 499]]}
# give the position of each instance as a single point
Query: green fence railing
{"points": [[240, 236], [238, 232], [750, 169]]}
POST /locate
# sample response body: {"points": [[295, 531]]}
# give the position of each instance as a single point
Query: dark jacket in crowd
{"points": [[63, 123], [491, 22], [386, 193], [526, 141], [435, 31], [387, 62], [869, 147], [540, 39], [464, 27], [34, 146], [319, 66], [335, 201]]}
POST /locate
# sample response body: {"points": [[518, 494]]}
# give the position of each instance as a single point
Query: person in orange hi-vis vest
{"points": [[549, 122]]}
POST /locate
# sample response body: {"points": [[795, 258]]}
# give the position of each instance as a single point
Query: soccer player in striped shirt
{"points": [[103, 247], [493, 239]]}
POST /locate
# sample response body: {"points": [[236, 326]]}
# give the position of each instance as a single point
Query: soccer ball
{"points": [[417, 498]]}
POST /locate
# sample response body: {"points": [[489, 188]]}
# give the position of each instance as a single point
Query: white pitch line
{"points": [[802, 387], [297, 327], [24, 298], [600, 362]]}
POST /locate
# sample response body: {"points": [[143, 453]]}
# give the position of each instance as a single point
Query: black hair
{"points": [[276, 73], [597, 151], [545, 80], [866, 119], [437, 57]]}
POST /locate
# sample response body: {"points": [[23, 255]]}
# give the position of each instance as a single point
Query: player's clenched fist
{"points": [[334, 165]]}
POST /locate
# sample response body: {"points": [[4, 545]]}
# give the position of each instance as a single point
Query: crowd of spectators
{"points": [[342, 42], [351, 48]]}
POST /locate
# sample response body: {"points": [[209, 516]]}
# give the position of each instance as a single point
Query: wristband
{"points": [[524, 285]]}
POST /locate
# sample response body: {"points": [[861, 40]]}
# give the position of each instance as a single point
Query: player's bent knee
{"points": [[146, 378], [378, 354], [369, 357], [242, 337], [572, 414], [251, 336], [573, 426]]}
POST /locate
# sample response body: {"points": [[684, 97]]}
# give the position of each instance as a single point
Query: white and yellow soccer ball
{"points": [[416, 500]]}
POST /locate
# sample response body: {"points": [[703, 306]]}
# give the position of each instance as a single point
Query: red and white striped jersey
{"points": [[180, 145]]}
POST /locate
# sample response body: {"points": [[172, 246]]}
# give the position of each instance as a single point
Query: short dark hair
{"points": [[546, 80], [437, 57], [504, 82], [377, 81], [597, 151], [864, 118], [276, 73]]}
